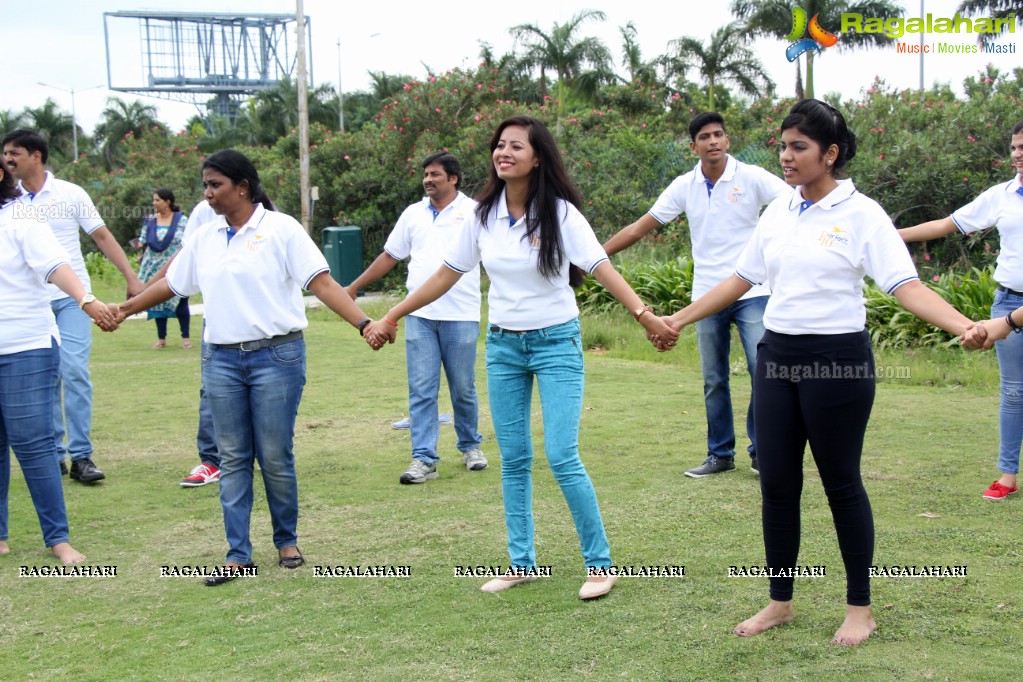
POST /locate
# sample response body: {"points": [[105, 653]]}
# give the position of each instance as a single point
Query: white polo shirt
{"points": [[815, 262], [720, 223], [65, 207], [520, 297], [427, 239], [29, 253], [1000, 207], [252, 286]]}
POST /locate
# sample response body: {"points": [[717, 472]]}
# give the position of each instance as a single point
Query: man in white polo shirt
{"points": [[444, 333], [67, 208], [722, 199]]}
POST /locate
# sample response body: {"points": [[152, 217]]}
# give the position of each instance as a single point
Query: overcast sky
{"points": [[64, 46]]}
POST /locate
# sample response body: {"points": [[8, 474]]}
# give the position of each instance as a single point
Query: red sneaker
{"points": [[998, 492], [201, 475]]}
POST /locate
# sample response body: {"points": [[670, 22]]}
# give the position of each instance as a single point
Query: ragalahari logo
{"points": [[819, 39]]}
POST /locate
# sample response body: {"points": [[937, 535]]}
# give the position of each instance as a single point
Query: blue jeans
{"points": [[1010, 365], [714, 339], [72, 404], [26, 395], [428, 345], [555, 357], [205, 438], [254, 396]]}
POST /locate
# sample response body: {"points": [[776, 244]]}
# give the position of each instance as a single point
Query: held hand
{"points": [[379, 332], [102, 315], [659, 332], [982, 335]]}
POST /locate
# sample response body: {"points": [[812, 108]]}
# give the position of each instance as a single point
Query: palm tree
{"points": [[580, 64], [996, 9], [12, 120], [640, 72], [725, 58], [273, 112], [774, 18], [121, 119], [56, 126], [515, 73]]}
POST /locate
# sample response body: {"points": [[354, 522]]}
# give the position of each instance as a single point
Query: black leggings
{"points": [[816, 388], [184, 318]]}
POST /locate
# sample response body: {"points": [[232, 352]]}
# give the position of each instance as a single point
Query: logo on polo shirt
{"points": [[256, 243], [736, 194], [835, 236]]}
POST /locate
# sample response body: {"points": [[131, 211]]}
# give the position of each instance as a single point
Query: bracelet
{"points": [[388, 321], [1012, 324], [362, 326], [639, 312]]}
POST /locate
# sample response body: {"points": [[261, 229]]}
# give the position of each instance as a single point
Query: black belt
{"points": [[261, 343], [495, 328], [1010, 291]]}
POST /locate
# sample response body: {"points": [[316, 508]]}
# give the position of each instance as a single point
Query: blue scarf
{"points": [[155, 244]]}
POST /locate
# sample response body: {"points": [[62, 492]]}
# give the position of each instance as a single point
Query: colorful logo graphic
{"points": [[819, 39]]}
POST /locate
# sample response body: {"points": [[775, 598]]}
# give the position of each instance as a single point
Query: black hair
{"points": [[703, 119], [8, 187], [825, 125], [29, 140], [236, 166], [167, 195], [1017, 129], [449, 163], [548, 182]]}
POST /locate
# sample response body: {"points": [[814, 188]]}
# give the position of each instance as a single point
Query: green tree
{"points": [[121, 120], [271, 113], [581, 64], [54, 124], [774, 18], [996, 9], [514, 73], [12, 120], [725, 58]]}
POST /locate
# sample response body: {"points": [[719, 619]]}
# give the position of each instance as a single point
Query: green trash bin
{"points": [[342, 247]]}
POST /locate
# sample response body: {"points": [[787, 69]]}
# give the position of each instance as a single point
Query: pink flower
{"points": [[347, 158], [971, 138], [927, 256], [935, 278], [771, 141], [437, 110]]}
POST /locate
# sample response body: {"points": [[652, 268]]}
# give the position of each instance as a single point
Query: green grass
{"points": [[930, 450]]}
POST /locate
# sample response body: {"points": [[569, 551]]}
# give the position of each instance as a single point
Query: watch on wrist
{"points": [[362, 326], [638, 312], [86, 300]]}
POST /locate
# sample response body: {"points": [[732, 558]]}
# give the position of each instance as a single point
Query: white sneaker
{"points": [[474, 460], [406, 423], [419, 472]]}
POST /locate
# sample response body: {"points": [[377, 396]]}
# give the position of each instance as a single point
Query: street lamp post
{"points": [[74, 118], [340, 92]]}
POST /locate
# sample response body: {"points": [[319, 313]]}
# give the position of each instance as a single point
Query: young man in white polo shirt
{"points": [[67, 208], [722, 199], [444, 333]]}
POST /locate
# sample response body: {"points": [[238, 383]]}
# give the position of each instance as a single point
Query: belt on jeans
{"points": [[261, 343], [495, 328], [1010, 291]]}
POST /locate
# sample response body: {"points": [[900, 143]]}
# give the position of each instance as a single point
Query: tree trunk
{"points": [[799, 81], [809, 75]]}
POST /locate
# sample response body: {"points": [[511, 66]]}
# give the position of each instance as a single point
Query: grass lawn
{"points": [[929, 454]]}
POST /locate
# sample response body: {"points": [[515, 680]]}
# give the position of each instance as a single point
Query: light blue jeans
{"points": [[429, 344], [554, 356], [205, 439], [72, 404], [714, 339], [1010, 365], [254, 396], [26, 426]]}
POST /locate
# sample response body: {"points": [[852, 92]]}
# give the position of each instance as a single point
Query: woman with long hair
{"points": [[528, 234], [251, 266], [814, 377]]}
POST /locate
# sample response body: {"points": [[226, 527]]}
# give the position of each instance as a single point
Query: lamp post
{"points": [[74, 118]]}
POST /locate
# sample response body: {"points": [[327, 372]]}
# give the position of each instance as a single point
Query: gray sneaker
{"points": [[474, 460], [419, 472], [712, 465]]}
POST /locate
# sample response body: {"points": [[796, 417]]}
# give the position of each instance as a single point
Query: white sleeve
{"points": [[464, 252], [980, 213], [303, 260], [183, 273], [88, 215], [672, 201], [751, 265], [885, 256], [40, 249], [581, 246], [399, 243]]}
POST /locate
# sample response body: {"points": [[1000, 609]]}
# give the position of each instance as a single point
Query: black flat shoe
{"points": [[85, 471], [227, 576], [291, 561]]}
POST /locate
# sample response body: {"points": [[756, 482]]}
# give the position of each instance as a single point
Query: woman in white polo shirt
{"points": [[1000, 207], [251, 266], [815, 370], [528, 232], [29, 360]]}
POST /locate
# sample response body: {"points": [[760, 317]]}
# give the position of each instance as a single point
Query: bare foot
{"points": [[67, 553], [774, 614], [859, 623], [186, 344], [4, 549], [159, 344]]}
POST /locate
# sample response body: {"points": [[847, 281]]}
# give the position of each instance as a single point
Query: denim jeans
{"points": [[26, 394], [254, 396], [428, 345], [205, 438], [714, 337], [1010, 365], [72, 404], [554, 356]]}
